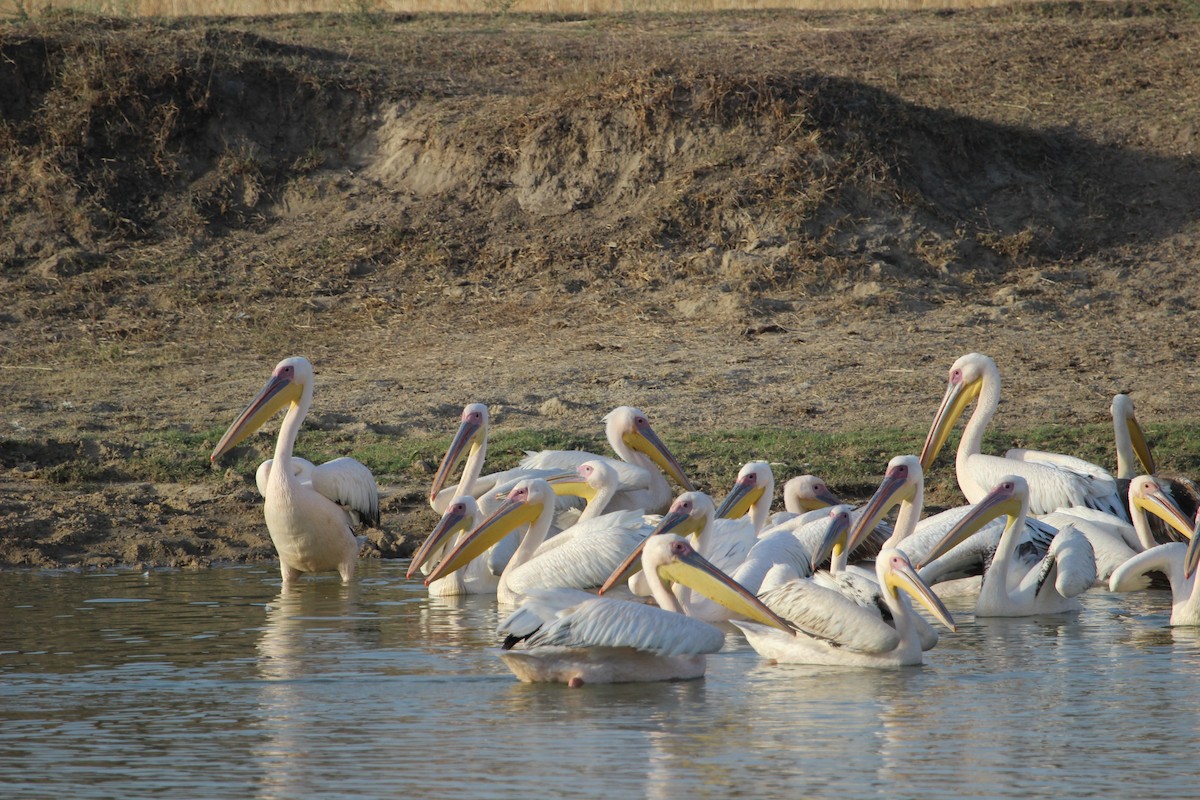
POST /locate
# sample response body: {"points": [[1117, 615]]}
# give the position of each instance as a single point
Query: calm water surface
{"points": [[212, 684]]}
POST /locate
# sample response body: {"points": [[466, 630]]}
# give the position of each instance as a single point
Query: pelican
{"points": [[1019, 583], [572, 637], [310, 529], [582, 561], [832, 629], [1052, 483], [645, 459]]}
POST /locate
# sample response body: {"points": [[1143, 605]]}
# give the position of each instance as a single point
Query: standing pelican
{"points": [[1019, 582], [310, 529], [1052, 483], [576, 638], [834, 630]]}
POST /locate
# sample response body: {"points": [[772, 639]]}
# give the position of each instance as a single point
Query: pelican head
{"points": [[966, 381], [902, 481], [470, 436], [459, 517], [285, 387], [629, 429], [807, 493], [523, 506], [895, 572], [689, 514], [1122, 414], [753, 481], [588, 479], [835, 544], [1147, 493], [1009, 497], [674, 560]]}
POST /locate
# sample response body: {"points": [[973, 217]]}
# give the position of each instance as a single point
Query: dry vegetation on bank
{"points": [[732, 220]]}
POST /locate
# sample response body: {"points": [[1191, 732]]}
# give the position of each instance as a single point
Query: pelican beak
{"points": [[468, 433], [835, 541], [696, 572], [958, 396], [1141, 449], [1193, 551], [504, 520], [455, 520], [1160, 504], [741, 498], [999, 501], [572, 484], [678, 522], [903, 576], [645, 440], [278, 392], [886, 496], [822, 498]]}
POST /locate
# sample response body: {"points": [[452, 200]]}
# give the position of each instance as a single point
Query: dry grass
{"points": [[191, 8]]}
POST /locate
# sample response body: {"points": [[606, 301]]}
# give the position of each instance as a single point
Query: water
{"points": [[211, 684]]}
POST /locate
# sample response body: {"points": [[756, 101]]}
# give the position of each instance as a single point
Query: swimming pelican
{"points": [[645, 459], [1052, 483], [1178, 562], [311, 530], [834, 630], [576, 638], [582, 561], [1017, 582]]}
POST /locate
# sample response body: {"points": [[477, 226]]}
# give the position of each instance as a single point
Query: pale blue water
{"points": [[210, 684]]}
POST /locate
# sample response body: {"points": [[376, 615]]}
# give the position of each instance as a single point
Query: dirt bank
{"points": [[729, 220]]}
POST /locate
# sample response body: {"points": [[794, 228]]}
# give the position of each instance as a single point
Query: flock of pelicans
{"points": [[611, 578]]}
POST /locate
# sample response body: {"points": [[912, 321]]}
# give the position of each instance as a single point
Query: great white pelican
{"points": [[1054, 481], [572, 637], [305, 507]]}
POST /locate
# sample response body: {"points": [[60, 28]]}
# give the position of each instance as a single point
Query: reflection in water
{"points": [[213, 684]]}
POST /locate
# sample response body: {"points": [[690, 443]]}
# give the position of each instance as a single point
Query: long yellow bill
{"points": [[958, 396], [456, 519], [504, 520], [1002, 500], [885, 497], [279, 392], [645, 440], [468, 433], [689, 568], [741, 498], [901, 575]]}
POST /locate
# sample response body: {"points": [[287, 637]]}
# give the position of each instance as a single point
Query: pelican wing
{"points": [[585, 560], [1053, 485], [351, 485], [1069, 566], [729, 544], [826, 614], [591, 621]]}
